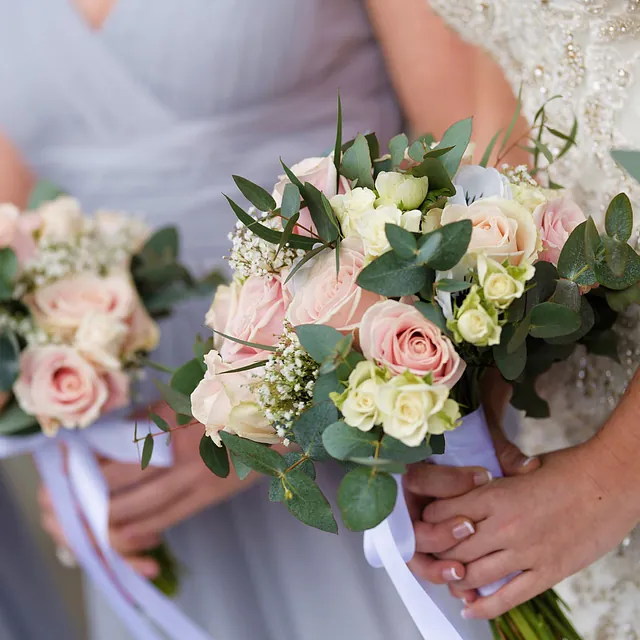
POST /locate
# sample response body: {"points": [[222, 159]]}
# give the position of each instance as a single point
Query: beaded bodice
{"points": [[588, 52]]}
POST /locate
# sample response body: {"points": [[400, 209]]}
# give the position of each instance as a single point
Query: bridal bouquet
{"points": [[77, 297], [371, 294]]}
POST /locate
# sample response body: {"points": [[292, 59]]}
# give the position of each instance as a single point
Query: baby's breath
{"points": [[24, 327], [519, 175], [250, 255], [289, 379]]}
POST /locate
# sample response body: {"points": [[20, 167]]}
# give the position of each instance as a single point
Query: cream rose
{"points": [[114, 224], [447, 419], [407, 404], [476, 321], [257, 318], [502, 285], [223, 307], [358, 403], [401, 189], [352, 207], [16, 232], [334, 300], [556, 220], [100, 339], [61, 388], [502, 229], [144, 334], [372, 229], [529, 196], [61, 219], [397, 336], [60, 307], [225, 401], [322, 174]]}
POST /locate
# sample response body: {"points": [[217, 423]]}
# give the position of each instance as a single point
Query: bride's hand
{"points": [[548, 525]]}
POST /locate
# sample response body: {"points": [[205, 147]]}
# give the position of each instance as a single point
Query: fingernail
{"points": [[149, 570], [463, 530], [466, 600], [450, 574], [528, 461], [467, 614], [482, 477]]}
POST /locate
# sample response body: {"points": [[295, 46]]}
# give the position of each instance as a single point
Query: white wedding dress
{"points": [[587, 51]]}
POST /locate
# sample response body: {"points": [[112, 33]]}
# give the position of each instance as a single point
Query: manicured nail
{"points": [[528, 461], [451, 574], [482, 477], [467, 614], [149, 570], [463, 530]]}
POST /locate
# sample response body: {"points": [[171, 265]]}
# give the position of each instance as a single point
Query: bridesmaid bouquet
{"points": [[371, 294], [77, 299]]}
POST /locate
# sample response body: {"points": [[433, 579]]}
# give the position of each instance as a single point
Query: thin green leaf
{"points": [[337, 152], [255, 194], [147, 451], [489, 150], [254, 345], [356, 163], [288, 230], [161, 423], [571, 142], [249, 367], [304, 260], [544, 150], [215, 457], [179, 402], [513, 122], [321, 213], [452, 286], [258, 456], [290, 201], [457, 136]]}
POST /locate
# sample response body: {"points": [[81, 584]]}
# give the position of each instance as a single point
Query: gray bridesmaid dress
{"points": [[152, 115]]}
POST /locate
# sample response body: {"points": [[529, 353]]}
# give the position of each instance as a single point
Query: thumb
{"points": [[512, 460]]}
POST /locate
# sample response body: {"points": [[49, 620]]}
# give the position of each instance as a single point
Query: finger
{"points": [[485, 541], [145, 566], [472, 506], [461, 594], [437, 538], [435, 571], [519, 590], [126, 545], [142, 500], [5, 396], [121, 476], [415, 503], [425, 479], [50, 524], [44, 499], [512, 460], [488, 570]]}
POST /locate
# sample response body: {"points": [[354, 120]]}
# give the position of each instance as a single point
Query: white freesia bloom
{"points": [[351, 207], [372, 229], [473, 183], [403, 190], [412, 220]]}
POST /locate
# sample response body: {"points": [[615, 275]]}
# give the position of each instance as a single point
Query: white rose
{"points": [[351, 206], [476, 322], [358, 403], [372, 229], [502, 285], [528, 196], [412, 220], [100, 339], [61, 219], [407, 404], [403, 190], [447, 420]]}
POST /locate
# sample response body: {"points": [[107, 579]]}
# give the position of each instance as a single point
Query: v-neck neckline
{"points": [[104, 27]]}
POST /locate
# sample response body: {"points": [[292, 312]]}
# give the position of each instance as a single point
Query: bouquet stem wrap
{"points": [[80, 497], [392, 543]]}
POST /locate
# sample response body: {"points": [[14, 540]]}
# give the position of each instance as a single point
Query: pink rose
{"points": [[398, 336], [16, 232], [144, 334], [223, 307], [326, 298], [556, 220], [61, 388], [322, 174], [226, 402], [257, 318], [60, 307]]}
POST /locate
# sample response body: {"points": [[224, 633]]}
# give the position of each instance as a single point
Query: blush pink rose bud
{"points": [[556, 220], [399, 337], [16, 232], [258, 317], [327, 298], [322, 174], [62, 389]]}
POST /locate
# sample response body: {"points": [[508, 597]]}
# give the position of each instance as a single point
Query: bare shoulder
{"points": [[16, 180]]}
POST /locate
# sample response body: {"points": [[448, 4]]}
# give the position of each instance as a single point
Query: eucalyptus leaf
{"points": [[615, 256], [402, 241], [514, 121], [307, 503], [326, 384], [381, 464], [392, 449], [215, 458], [511, 363], [489, 150], [629, 161], [439, 179], [337, 150], [433, 313], [592, 242], [163, 243], [9, 360], [321, 213], [391, 276], [573, 264], [356, 163], [187, 377], [343, 442], [437, 444], [288, 230], [310, 426], [603, 343], [520, 334], [147, 451], [620, 300], [300, 263], [526, 398], [457, 136], [300, 461], [290, 201], [8, 272], [161, 423], [619, 218], [256, 195], [242, 470], [453, 243], [540, 146], [550, 320], [587, 322], [452, 286], [258, 456], [397, 146], [253, 345], [179, 402], [13, 420], [630, 275], [318, 340], [366, 497], [567, 293]]}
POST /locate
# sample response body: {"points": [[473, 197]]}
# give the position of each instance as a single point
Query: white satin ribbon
{"points": [[81, 500], [392, 543]]}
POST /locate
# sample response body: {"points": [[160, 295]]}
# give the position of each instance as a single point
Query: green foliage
{"points": [[161, 423], [343, 442], [215, 457], [147, 451], [514, 121], [391, 276], [629, 161], [178, 401], [325, 385], [511, 363], [321, 213], [392, 449], [258, 456], [290, 201], [550, 320], [356, 163], [397, 147], [256, 195], [433, 313], [457, 136], [253, 345], [587, 322], [366, 497], [573, 264], [307, 503], [452, 286], [242, 470], [439, 179], [453, 243], [319, 341], [9, 360], [187, 377], [168, 580], [8, 273], [337, 150], [308, 429], [402, 241], [14, 421], [489, 150], [619, 218], [620, 300]]}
